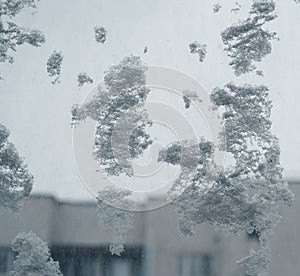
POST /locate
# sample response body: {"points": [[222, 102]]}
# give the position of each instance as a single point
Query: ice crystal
{"points": [[216, 8], [200, 49], [83, 78], [237, 8], [15, 179], [13, 7], [189, 96], [257, 263], [247, 42], [118, 220], [100, 34], [120, 115], [33, 257], [260, 73], [54, 64], [193, 157], [12, 35], [245, 196]]}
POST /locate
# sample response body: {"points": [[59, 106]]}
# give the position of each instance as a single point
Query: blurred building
{"points": [[153, 248]]}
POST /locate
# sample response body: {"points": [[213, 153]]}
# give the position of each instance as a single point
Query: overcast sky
{"points": [[38, 113]]}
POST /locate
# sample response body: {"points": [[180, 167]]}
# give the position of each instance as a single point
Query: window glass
{"points": [[135, 135], [3, 260], [194, 264]]}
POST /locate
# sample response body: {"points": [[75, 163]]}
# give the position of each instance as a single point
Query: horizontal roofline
{"points": [[91, 203]]}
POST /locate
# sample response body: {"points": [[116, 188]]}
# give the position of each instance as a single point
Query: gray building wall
{"points": [[154, 239]]}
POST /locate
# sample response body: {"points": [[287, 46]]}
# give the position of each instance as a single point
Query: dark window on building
{"points": [[194, 264], [77, 261], [127, 264], [82, 261], [3, 260]]}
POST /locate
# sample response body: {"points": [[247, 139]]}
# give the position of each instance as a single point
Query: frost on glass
{"points": [[189, 96], [121, 118], [15, 179], [54, 64], [193, 158], [260, 73], [200, 49], [33, 257], [245, 196], [100, 34], [257, 263], [13, 35], [83, 78], [216, 8], [116, 220], [247, 42], [237, 7]]}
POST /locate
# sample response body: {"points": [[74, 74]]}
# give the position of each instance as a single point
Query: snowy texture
{"points": [[247, 136], [237, 8], [33, 257], [54, 64], [119, 221], [194, 159], [120, 115], [189, 96], [83, 78], [257, 263], [247, 42], [13, 7], [216, 8], [200, 49], [100, 34], [242, 197], [12, 35], [15, 179], [260, 73]]}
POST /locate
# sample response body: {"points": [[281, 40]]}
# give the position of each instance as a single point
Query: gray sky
{"points": [[38, 113]]}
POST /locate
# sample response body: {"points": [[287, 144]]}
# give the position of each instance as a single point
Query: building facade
{"points": [[153, 248]]}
